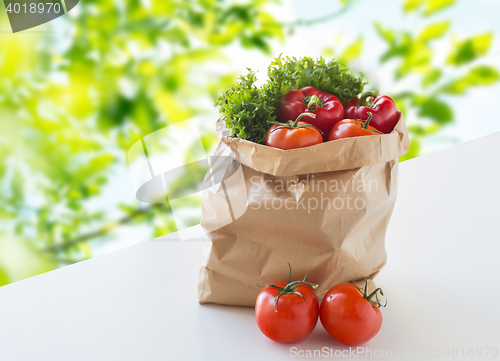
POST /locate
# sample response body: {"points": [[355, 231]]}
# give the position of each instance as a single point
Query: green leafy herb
{"points": [[248, 109], [331, 77]]}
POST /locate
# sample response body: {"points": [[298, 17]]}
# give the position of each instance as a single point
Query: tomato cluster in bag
{"points": [[328, 119]]}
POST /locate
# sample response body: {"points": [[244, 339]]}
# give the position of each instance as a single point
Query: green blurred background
{"points": [[77, 93]]}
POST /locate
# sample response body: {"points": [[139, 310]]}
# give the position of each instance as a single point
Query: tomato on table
{"points": [[287, 312], [349, 315]]}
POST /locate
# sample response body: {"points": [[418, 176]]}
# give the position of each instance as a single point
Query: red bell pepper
{"points": [[371, 102], [327, 108]]}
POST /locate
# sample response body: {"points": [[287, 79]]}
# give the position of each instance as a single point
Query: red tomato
{"points": [[350, 316], [349, 128], [294, 134], [287, 312]]}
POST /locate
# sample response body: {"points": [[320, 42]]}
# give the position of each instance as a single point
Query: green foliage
{"points": [[432, 76], [470, 49], [429, 6], [480, 75], [20, 259], [4, 277], [415, 58], [414, 52], [412, 5], [69, 112], [74, 110], [433, 108], [352, 52], [248, 109], [433, 6], [331, 77], [433, 31], [388, 35]]}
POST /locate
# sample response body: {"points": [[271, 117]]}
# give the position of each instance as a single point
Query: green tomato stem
{"points": [[290, 287], [370, 117], [296, 122], [376, 303]]}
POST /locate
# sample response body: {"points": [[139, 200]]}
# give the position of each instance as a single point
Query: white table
{"points": [[140, 303]]}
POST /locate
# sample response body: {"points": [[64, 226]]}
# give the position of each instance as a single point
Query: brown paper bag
{"points": [[324, 209]]}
